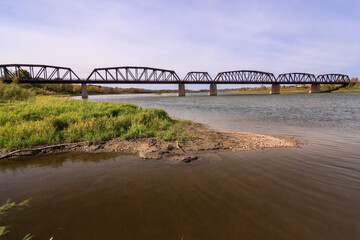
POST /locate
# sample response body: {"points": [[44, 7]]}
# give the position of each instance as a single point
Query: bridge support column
{"points": [[84, 92], [213, 89], [275, 88], [181, 92], [315, 88]]}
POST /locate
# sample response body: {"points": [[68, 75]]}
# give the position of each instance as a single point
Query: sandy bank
{"points": [[204, 140]]}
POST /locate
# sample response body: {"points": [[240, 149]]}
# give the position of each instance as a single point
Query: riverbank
{"points": [[200, 140], [75, 89], [67, 89], [44, 124], [353, 86]]}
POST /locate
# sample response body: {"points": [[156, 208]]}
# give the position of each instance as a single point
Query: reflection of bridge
{"points": [[28, 73]]}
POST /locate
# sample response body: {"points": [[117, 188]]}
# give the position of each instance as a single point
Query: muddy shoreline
{"points": [[204, 140]]}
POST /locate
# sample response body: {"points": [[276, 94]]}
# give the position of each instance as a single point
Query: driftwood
{"points": [[25, 152], [179, 147]]}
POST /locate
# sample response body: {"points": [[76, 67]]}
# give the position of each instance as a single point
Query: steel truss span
{"points": [[296, 78], [37, 73], [32, 73], [245, 76], [133, 75], [198, 77], [333, 78], [307, 78]]}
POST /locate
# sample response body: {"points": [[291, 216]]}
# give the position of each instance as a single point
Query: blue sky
{"points": [[277, 36]]}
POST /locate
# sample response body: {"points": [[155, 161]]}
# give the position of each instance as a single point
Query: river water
{"points": [[311, 192]]}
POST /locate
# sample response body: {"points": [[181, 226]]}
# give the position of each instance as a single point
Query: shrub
{"points": [[23, 74], [59, 123], [13, 92]]}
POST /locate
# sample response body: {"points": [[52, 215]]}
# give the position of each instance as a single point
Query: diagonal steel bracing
{"points": [[198, 77], [297, 78], [245, 76], [333, 78], [36, 73], [32, 73], [133, 74]]}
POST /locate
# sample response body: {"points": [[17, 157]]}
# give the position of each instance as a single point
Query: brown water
{"points": [[312, 192]]}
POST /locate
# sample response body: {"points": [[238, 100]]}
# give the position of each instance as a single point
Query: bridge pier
{"points": [[84, 92], [315, 88], [275, 88], [213, 89], [181, 92]]}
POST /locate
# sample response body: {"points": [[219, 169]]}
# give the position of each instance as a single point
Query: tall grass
{"points": [[13, 92], [8, 206], [51, 120]]}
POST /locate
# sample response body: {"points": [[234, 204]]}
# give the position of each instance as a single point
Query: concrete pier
{"points": [[181, 92], [275, 88], [84, 92], [315, 88], [213, 89]]}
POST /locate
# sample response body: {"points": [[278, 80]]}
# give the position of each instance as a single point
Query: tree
{"points": [[355, 80], [22, 74]]}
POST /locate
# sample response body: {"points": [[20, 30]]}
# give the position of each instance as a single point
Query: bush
{"points": [[23, 74], [13, 92]]}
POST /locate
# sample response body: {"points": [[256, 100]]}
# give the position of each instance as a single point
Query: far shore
{"points": [[75, 89], [204, 140]]}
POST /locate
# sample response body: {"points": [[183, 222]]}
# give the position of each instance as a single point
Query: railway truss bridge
{"points": [[30, 73]]}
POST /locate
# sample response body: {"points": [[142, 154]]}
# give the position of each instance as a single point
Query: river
{"points": [[311, 192]]}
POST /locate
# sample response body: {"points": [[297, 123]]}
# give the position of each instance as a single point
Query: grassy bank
{"points": [[353, 86], [75, 89], [263, 89], [67, 89], [39, 120]]}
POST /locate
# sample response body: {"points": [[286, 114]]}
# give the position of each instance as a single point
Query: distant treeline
{"points": [[75, 89], [353, 86]]}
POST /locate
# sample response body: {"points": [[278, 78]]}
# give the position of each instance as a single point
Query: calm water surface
{"points": [[312, 192]]}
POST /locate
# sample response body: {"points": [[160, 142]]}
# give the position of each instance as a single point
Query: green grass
{"points": [[50, 120], [347, 91], [353, 86]]}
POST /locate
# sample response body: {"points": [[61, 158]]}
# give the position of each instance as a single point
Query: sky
{"points": [[278, 36]]}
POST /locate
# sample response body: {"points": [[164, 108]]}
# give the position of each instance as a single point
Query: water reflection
{"points": [[54, 160]]}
